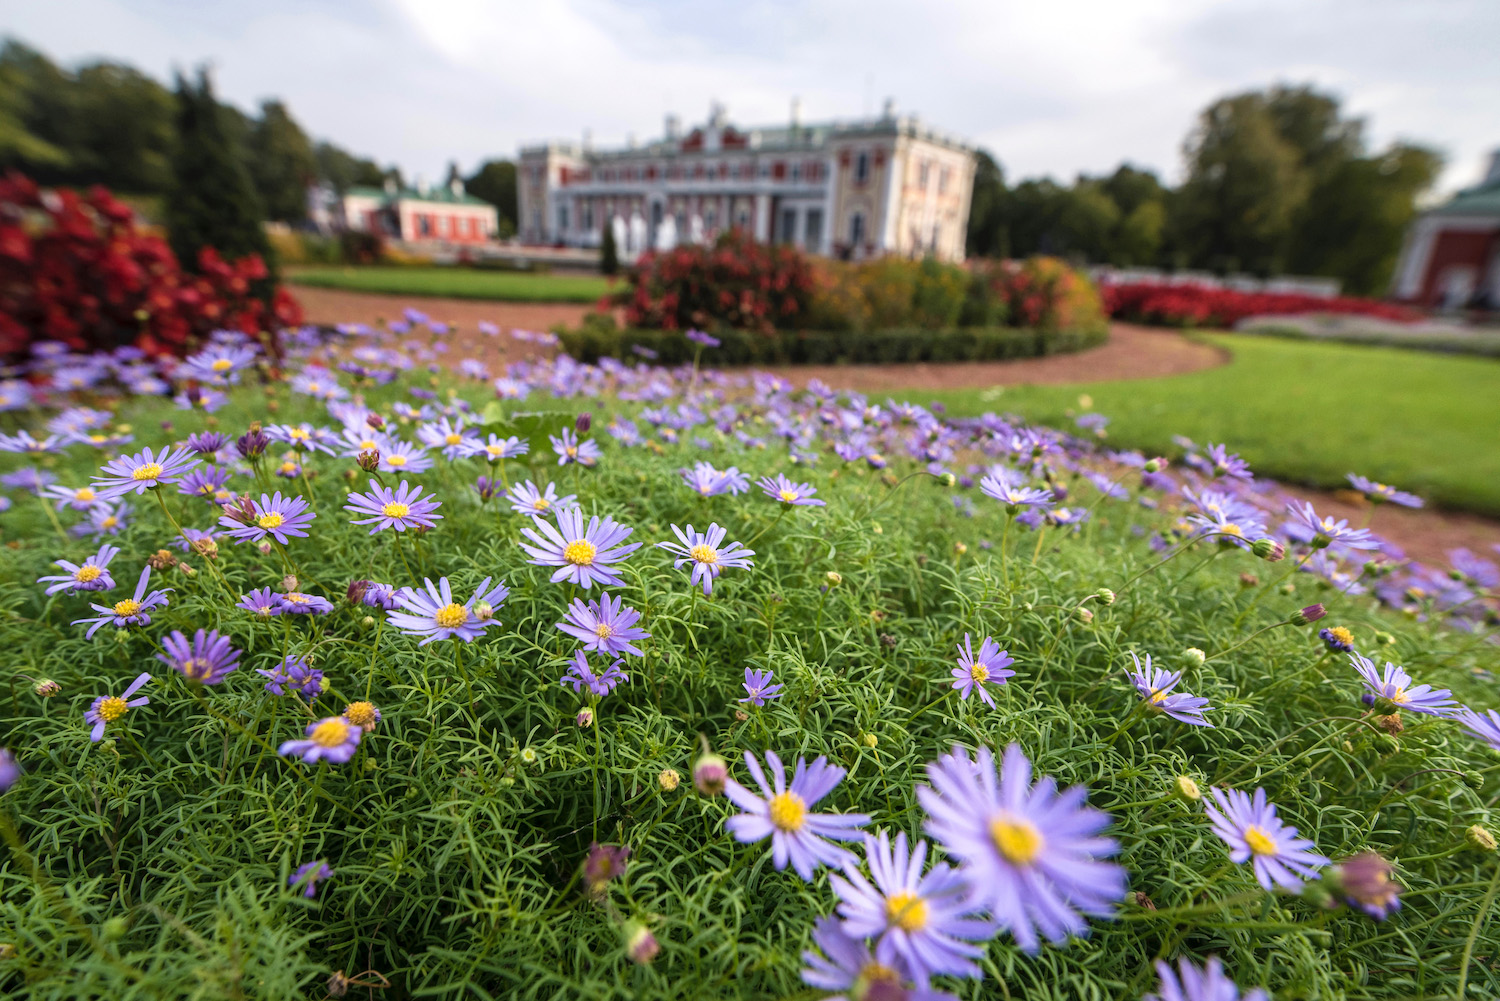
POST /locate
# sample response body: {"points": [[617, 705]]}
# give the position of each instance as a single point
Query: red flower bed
{"points": [[1199, 306], [76, 268], [736, 283]]}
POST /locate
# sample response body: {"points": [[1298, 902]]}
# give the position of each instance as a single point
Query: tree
{"points": [[495, 182], [988, 235], [212, 202], [609, 254], [343, 170], [1086, 221], [1034, 210], [282, 164]]}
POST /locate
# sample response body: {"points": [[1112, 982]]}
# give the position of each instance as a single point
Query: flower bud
{"points": [[369, 460], [949, 480], [289, 582], [585, 718], [375, 421], [1083, 615], [1185, 787], [1144, 901], [604, 864], [834, 578], [710, 772], [1474, 780], [1194, 656], [187, 570], [529, 756], [1312, 613], [1105, 596], [1153, 465], [1385, 639], [1249, 580], [484, 611], [959, 549], [46, 688], [368, 622], [114, 929], [668, 779], [253, 443], [640, 945], [1269, 550], [506, 781], [1385, 744], [355, 593], [1480, 839], [869, 740], [583, 422]]}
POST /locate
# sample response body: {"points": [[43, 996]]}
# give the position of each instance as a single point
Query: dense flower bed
{"points": [[75, 268], [1199, 306], [716, 688]]}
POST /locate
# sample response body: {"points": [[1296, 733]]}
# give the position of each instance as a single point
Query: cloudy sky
{"points": [[1050, 86]]}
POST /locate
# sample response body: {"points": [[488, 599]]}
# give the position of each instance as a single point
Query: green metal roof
{"points": [[1481, 200], [437, 194]]}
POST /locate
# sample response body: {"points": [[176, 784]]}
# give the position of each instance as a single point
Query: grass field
{"points": [[1307, 413], [457, 283]]}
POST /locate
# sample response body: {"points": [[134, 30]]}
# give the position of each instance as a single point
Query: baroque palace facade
{"points": [[887, 185]]}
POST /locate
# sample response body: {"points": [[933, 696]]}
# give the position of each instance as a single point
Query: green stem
{"points": [[1484, 912]]}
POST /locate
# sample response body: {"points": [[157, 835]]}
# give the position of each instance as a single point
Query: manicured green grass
{"points": [[457, 283], [1307, 413]]}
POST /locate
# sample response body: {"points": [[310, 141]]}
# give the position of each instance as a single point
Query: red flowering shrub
{"points": [[1043, 293], [1200, 306], [736, 283], [76, 268]]}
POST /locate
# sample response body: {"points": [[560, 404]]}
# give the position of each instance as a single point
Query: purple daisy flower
{"points": [[846, 964], [1486, 727], [90, 575], [404, 457], [580, 676], [1252, 830], [208, 659], [300, 603], [791, 494], [308, 876], [401, 508], [262, 602], [1364, 881], [1222, 462], [1337, 638], [496, 448], [706, 481], [449, 436], [782, 813], [378, 595], [218, 364], [105, 519], [1007, 486], [1379, 493], [293, 673], [332, 739], [1191, 983], [606, 625], [109, 709], [758, 687], [582, 555], [302, 437], [208, 483], [1155, 686], [699, 337], [918, 921], [143, 471], [282, 518], [77, 498], [707, 553], [10, 769], [23, 443], [433, 613], [133, 611], [570, 449], [364, 439], [1328, 530], [989, 668], [525, 498], [1032, 854], [207, 444], [1394, 685]]}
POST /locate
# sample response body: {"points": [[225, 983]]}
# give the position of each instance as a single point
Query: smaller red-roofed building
{"points": [[1451, 257]]}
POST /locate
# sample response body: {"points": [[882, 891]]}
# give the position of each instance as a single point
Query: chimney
{"points": [[796, 112], [457, 187], [390, 185], [717, 114], [674, 126], [889, 111], [421, 185]]}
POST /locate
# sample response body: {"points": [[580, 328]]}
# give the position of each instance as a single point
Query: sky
{"points": [[1049, 87]]}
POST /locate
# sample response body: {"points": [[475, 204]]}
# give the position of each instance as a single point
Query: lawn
{"points": [[457, 283], [1308, 413]]}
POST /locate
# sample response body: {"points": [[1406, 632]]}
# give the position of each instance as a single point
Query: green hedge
{"points": [[826, 347]]}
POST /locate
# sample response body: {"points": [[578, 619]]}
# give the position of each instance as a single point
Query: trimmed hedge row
{"points": [[827, 347]]}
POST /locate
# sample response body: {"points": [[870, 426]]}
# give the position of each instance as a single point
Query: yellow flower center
{"points": [[361, 714], [603, 631], [222, 365], [109, 522], [788, 812], [297, 434], [195, 667], [788, 495], [704, 553], [906, 911], [127, 607], [1259, 841], [98, 439], [495, 451], [84, 494], [295, 597], [289, 467], [86, 573], [541, 504], [451, 616], [979, 673], [395, 509], [873, 974], [330, 733], [112, 708], [1017, 839], [395, 460], [1342, 635], [147, 471], [572, 451], [581, 553], [270, 520], [368, 444], [1400, 697], [1156, 697], [1230, 528], [453, 439]]}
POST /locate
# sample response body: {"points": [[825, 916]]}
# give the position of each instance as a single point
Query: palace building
{"points": [[860, 189], [1451, 257]]}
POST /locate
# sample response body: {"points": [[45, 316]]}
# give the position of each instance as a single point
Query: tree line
{"points": [[108, 123], [1278, 181]]}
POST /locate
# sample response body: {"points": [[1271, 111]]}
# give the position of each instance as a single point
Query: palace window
{"points": [[588, 217], [562, 218], [857, 230], [922, 175], [944, 176], [861, 168], [813, 230]]}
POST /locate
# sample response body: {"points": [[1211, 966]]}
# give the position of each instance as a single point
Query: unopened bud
{"points": [[114, 929], [710, 772], [869, 740], [1312, 613], [1385, 639], [668, 779], [1385, 744], [289, 582], [46, 688], [640, 945], [1153, 466], [585, 718], [187, 570], [1269, 550], [834, 578], [1083, 615], [959, 549], [1105, 596], [368, 622], [355, 593], [369, 460], [375, 421], [1185, 787], [583, 422], [484, 611], [1248, 580], [1480, 839]]}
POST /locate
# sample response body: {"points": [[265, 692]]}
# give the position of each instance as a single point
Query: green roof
{"points": [[1481, 200], [438, 194]]}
